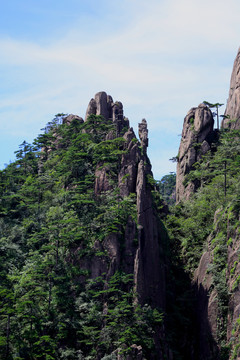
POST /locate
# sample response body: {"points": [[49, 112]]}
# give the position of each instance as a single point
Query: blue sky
{"points": [[160, 58]]}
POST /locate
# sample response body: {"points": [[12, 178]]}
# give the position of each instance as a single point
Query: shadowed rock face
{"points": [[209, 296], [206, 309], [143, 261], [141, 254], [233, 104], [195, 142]]}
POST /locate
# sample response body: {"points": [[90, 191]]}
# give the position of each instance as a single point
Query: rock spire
{"points": [[232, 112], [196, 140], [143, 261], [103, 104]]}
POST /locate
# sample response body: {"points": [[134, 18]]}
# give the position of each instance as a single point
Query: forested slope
{"points": [[77, 278]]}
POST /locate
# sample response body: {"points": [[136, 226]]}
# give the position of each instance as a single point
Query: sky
{"points": [[158, 57]]}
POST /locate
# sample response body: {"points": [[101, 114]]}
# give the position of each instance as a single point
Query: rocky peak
{"points": [[103, 104], [134, 170], [233, 104], [196, 140], [143, 134]]}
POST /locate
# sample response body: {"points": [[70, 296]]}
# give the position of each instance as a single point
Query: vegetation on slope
{"points": [[50, 219], [209, 220]]}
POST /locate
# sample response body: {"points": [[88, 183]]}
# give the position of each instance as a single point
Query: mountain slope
{"points": [[81, 246]]}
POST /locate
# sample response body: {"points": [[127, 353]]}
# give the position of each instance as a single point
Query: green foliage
{"points": [[52, 224], [209, 220], [167, 186], [125, 322], [192, 221], [191, 120], [216, 106]]}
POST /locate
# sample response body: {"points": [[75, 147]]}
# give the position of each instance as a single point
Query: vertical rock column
{"points": [[103, 105], [196, 140], [149, 266], [233, 105]]}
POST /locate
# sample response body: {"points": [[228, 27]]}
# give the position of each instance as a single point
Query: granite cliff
{"points": [[232, 112], [197, 137], [146, 260], [213, 211]]}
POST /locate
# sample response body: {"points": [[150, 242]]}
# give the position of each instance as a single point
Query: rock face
{"points": [[103, 104], [68, 119], [233, 104], [218, 303], [206, 309], [134, 170], [143, 135], [142, 253], [197, 135], [233, 277]]}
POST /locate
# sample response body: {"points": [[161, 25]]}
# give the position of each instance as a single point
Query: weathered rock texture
{"points": [[103, 104], [233, 283], [141, 254], [218, 306], [233, 105], [206, 308], [217, 278], [145, 260], [196, 140]]}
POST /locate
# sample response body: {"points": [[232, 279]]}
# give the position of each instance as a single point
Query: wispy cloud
{"points": [[159, 58]]}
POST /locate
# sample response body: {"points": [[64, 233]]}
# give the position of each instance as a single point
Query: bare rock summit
{"points": [[196, 140]]}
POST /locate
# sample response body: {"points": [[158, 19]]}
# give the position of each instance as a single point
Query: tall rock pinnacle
{"points": [[134, 171], [196, 140], [103, 104], [233, 105]]}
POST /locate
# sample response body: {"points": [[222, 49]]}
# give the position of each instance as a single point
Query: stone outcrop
{"points": [[218, 306], [103, 105], [68, 119], [141, 252], [206, 308], [197, 136], [144, 261], [232, 111], [143, 134], [217, 278], [233, 283]]}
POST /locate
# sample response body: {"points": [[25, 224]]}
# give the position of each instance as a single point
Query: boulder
{"points": [[68, 119]]}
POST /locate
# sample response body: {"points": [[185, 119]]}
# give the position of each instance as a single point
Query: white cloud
{"points": [[159, 64]]}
